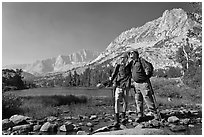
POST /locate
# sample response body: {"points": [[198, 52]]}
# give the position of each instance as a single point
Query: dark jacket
{"points": [[140, 70], [122, 75]]}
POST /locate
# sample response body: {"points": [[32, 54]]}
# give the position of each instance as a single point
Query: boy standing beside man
{"points": [[122, 82]]}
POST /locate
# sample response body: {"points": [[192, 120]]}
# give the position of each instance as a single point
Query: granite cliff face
{"points": [[157, 40]]}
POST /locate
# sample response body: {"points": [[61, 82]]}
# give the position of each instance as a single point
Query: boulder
{"points": [[77, 128], [129, 112], [6, 132], [36, 127], [177, 128], [51, 119], [191, 125], [31, 121], [173, 119], [19, 119], [103, 129], [75, 118], [41, 122], [66, 111], [154, 123], [89, 124], [199, 120], [135, 131], [185, 121], [130, 120], [108, 115], [22, 128], [99, 85], [80, 117], [68, 126], [92, 117], [81, 124], [6, 123], [67, 118], [95, 121], [194, 112], [48, 127], [123, 127], [82, 133], [14, 133], [63, 128]]}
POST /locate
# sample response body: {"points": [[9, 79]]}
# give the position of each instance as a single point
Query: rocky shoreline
{"points": [[174, 119]]}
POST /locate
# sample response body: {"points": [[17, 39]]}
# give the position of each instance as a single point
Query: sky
{"points": [[35, 31]]}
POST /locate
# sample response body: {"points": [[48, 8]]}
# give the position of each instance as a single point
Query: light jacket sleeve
{"points": [[115, 72]]}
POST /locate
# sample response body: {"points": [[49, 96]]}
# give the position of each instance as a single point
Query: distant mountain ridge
{"points": [[57, 64]]}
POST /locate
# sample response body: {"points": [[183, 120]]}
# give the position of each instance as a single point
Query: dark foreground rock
{"points": [[135, 131]]}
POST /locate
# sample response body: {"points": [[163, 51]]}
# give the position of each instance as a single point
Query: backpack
{"points": [[147, 67]]}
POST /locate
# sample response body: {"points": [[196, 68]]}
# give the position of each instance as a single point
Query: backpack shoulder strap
{"points": [[142, 61], [147, 67]]}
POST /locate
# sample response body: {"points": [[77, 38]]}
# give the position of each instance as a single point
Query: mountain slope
{"points": [[157, 40]]}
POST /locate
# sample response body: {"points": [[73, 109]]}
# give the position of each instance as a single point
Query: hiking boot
{"points": [[123, 115], [116, 121], [123, 118], [139, 118], [116, 125], [156, 117], [124, 121]]}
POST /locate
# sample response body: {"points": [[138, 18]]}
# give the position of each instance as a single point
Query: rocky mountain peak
{"points": [[157, 40]]}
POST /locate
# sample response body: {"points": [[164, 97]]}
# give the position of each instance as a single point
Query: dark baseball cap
{"points": [[134, 51]]}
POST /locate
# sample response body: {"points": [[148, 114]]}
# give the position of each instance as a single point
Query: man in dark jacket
{"points": [[141, 74], [122, 80]]}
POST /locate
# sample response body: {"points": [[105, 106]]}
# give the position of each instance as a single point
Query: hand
{"points": [[110, 84], [129, 60]]}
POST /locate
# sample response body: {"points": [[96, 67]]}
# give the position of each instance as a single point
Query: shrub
{"points": [[173, 72], [193, 77], [10, 105]]}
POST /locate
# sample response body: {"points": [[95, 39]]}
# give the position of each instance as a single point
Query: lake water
{"points": [[89, 92]]}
